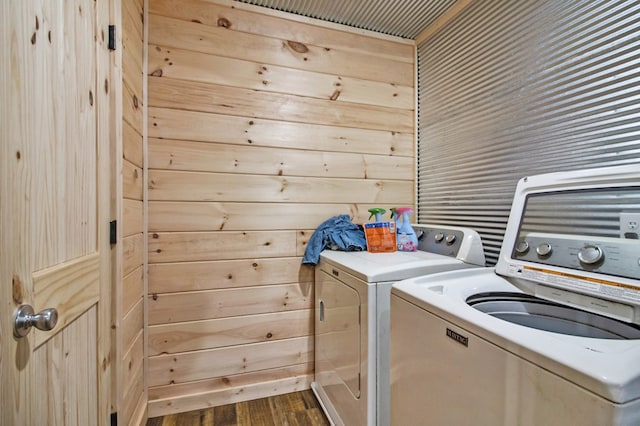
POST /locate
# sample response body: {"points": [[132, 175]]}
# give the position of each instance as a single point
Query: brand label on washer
{"points": [[458, 337]]}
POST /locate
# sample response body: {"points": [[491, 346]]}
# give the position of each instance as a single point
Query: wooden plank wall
{"points": [[260, 128], [131, 391]]}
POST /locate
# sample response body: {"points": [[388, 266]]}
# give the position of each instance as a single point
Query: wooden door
{"points": [[54, 208]]}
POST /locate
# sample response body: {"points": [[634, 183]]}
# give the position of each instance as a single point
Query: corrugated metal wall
{"points": [[401, 18], [513, 89]]}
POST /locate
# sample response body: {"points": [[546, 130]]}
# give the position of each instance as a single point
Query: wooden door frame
{"points": [[107, 138]]}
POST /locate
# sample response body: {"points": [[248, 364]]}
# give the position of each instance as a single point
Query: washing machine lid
{"points": [[386, 267], [572, 237]]}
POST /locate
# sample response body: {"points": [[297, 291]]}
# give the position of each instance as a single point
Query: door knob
{"points": [[25, 319]]}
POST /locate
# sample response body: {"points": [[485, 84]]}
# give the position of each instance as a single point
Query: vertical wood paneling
{"points": [[260, 129]]}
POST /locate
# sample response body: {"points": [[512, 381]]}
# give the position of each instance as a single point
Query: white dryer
{"points": [[352, 318], [551, 336]]}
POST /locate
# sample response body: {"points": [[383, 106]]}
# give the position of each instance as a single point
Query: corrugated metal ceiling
{"points": [[401, 18]]}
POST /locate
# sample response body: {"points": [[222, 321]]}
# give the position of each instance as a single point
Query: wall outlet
{"points": [[630, 225]]}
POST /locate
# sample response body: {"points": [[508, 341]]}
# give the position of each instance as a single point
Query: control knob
{"points": [[439, 237], [590, 254], [451, 238], [522, 247], [544, 249]]}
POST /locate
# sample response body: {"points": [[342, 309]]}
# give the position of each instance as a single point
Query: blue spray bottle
{"points": [[377, 212], [407, 240]]}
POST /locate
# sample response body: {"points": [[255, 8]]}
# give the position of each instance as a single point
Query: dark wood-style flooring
{"points": [[291, 409]]}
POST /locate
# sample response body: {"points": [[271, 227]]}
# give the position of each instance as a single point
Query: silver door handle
{"points": [[25, 319]]}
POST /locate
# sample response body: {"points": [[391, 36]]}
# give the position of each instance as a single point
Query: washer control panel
{"points": [[610, 256]]}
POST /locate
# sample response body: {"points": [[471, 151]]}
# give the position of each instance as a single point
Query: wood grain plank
{"points": [[283, 405], [198, 305], [290, 28], [108, 129], [312, 416], [169, 123], [233, 159], [132, 366], [206, 68], [230, 394], [212, 216], [175, 390], [133, 402], [185, 276], [132, 45], [303, 410], [132, 76], [225, 245], [176, 33], [204, 97], [132, 145], [225, 415], [132, 217], [133, 31], [257, 412], [131, 181], [132, 288], [195, 186], [79, 403], [302, 239], [215, 333], [71, 287], [132, 106], [131, 325], [132, 253]]}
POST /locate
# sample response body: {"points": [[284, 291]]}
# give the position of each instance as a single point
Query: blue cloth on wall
{"points": [[336, 233]]}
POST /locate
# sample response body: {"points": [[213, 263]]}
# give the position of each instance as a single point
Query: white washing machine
{"points": [[352, 318], [551, 336]]}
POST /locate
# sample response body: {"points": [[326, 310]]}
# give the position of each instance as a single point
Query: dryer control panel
{"points": [[610, 256], [452, 241], [442, 241]]}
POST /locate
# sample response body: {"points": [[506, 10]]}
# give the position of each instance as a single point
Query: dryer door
{"points": [[337, 335]]}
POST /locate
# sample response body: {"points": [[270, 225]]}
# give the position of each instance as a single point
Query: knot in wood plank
{"points": [[224, 23], [297, 46]]}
